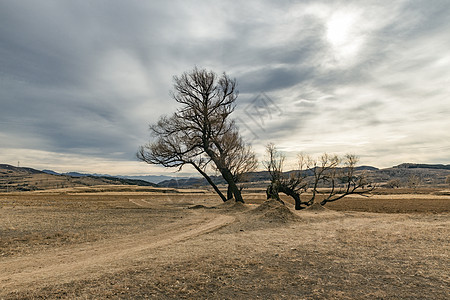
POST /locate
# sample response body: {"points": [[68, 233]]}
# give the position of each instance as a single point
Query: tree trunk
{"points": [[272, 192], [292, 193], [231, 184], [210, 182], [226, 174], [229, 193]]}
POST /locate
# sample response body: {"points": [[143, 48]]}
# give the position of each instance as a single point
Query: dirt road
{"points": [[63, 265]]}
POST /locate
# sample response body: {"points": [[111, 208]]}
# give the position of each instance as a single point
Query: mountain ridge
{"points": [[423, 166], [26, 179], [149, 178]]}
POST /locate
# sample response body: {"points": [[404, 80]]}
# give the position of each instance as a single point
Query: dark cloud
{"points": [[272, 79]]}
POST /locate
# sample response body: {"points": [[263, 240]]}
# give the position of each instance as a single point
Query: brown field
{"points": [[135, 244]]}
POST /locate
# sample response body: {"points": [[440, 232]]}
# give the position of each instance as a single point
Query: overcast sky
{"points": [[80, 81]]}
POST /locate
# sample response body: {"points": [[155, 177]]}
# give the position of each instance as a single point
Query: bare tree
{"points": [[394, 183], [414, 181], [199, 132], [447, 179], [274, 165], [330, 171]]}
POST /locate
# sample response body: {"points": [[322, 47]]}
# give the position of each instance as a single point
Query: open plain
{"points": [[125, 244]]}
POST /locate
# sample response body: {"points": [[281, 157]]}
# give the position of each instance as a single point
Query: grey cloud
{"points": [[271, 79], [64, 85], [418, 18]]}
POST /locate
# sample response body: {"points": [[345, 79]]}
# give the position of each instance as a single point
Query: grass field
{"points": [[136, 244]]}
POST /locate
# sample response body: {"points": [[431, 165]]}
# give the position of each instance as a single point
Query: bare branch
{"points": [[326, 171]]}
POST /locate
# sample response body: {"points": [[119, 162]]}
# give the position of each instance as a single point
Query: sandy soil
{"points": [[191, 246]]}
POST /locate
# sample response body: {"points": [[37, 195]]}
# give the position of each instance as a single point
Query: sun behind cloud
{"points": [[344, 34]]}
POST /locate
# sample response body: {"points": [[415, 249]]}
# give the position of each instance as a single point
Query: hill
{"points": [[427, 176], [28, 179], [422, 166], [149, 178]]}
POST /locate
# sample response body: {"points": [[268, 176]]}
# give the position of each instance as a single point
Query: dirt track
{"points": [[142, 246], [63, 265]]}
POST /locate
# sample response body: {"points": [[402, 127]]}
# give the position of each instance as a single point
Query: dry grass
{"points": [[150, 245]]}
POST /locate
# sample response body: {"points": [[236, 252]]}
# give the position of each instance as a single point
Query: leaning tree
{"points": [[337, 174], [200, 132]]}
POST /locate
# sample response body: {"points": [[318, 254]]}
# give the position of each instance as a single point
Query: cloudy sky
{"points": [[81, 80]]}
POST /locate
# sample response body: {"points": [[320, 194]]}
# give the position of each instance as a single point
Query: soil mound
{"points": [[232, 205], [199, 206], [273, 211], [316, 207]]}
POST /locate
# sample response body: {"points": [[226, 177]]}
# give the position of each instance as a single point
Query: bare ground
{"points": [[144, 245]]}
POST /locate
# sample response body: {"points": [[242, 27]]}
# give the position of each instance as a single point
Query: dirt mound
{"points": [[232, 205], [199, 206], [316, 207], [273, 211]]}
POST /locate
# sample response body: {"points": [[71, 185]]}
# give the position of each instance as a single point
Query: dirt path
{"points": [[87, 261]]}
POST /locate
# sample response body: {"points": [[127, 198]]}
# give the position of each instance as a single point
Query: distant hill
{"points": [[28, 179], [152, 178], [149, 178], [51, 172], [8, 169], [422, 166]]}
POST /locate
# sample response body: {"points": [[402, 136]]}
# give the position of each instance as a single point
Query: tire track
{"points": [[65, 265]]}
